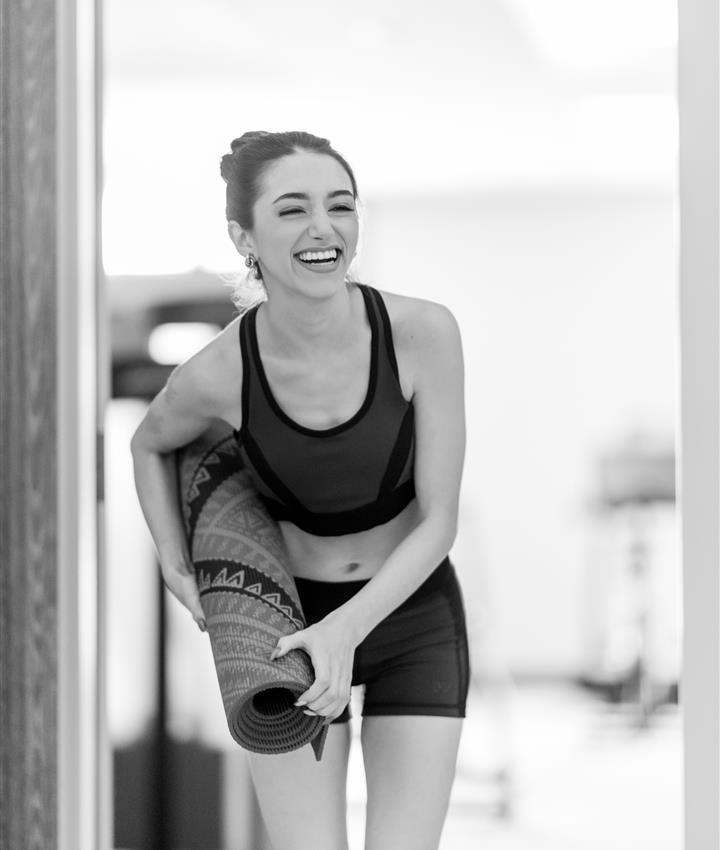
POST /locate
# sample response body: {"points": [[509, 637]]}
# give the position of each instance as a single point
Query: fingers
{"points": [[329, 711], [330, 691], [197, 612], [311, 697], [192, 601], [325, 697], [183, 586]]}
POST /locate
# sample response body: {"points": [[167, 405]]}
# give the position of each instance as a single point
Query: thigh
{"points": [[303, 801], [410, 766]]}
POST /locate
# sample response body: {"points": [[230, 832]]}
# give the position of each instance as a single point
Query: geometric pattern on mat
{"points": [[214, 576]]}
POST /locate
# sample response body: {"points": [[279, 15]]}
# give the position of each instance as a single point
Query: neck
{"points": [[298, 324]]}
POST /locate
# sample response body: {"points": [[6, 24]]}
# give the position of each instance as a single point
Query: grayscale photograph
{"points": [[360, 425]]}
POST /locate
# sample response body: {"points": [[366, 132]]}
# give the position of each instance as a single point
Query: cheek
{"points": [[351, 230], [276, 245]]}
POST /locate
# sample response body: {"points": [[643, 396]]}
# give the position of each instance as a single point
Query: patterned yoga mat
{"points": [[248, 596]]}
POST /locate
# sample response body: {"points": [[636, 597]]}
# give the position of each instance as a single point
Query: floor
{"points": [[553, 767]]}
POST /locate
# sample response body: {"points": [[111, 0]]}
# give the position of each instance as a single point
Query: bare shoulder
{"points": [[426, 338], [210, 375], [197, 391], [419, 322]]}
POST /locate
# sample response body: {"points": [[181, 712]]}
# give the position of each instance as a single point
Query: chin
{"points": [[324, 284]]}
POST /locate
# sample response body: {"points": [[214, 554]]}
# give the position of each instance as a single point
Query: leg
{"points": [[417, 667], [303, 801], [410, 766]]}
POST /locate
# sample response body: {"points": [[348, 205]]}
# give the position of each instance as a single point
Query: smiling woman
{"points": [[283, 159], [347, 406], [280, 232]]}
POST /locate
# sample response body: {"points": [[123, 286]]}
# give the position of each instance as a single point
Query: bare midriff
{"points": [[350, 557]]}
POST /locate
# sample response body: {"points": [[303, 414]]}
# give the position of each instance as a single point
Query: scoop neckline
{"points": [[371, 384]]}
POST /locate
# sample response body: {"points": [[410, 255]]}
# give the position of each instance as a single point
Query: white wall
{"points": [[567, 307]]}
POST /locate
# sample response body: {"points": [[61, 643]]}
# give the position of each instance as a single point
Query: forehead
{"points": [[312, 173]]}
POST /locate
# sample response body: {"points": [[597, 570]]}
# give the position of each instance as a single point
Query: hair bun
{"points": [[229, 161], [246, 139]]}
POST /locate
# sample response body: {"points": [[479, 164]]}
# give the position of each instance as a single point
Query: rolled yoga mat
{"points": [[248, 596]]}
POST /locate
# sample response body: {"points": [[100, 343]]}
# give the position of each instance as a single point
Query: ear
{"points": [[242, 239]]}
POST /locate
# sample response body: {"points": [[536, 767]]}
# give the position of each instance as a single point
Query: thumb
{"points": [[284, 645]]}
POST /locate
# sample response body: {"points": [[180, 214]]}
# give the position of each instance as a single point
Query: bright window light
{"points": [[600, 34], [173, 342]]}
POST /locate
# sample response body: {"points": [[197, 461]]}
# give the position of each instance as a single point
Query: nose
{"points": [[320, 225]]}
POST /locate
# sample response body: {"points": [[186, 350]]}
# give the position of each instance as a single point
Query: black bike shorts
{"points": [[415, 661]]}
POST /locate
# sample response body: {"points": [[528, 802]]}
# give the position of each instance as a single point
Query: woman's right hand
{"points": [[182, 583]]}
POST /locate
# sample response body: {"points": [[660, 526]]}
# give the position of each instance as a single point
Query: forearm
{"points": [[156, 485], [406, 568]]}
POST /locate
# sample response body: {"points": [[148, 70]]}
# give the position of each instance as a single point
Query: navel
{"points": [[352, 566]]}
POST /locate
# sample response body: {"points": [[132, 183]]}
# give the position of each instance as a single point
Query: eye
{"points": [[344, 208], [291, 210]]}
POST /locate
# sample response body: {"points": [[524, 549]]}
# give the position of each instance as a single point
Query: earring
{"points": [[254, 274]]}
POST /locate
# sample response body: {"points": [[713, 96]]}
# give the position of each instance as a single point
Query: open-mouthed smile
{"points": [[326, 260]]}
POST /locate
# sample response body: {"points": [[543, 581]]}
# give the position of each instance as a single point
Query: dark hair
{"points": [[252, 153]]}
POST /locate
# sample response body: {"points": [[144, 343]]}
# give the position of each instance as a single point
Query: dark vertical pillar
{"points": [[51, 781], [28, 509]]}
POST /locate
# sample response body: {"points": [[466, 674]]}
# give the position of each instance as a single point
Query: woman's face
{"points": [[305, 230]]}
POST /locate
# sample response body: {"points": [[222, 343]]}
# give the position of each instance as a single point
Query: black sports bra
{"points": [[337, 480]]}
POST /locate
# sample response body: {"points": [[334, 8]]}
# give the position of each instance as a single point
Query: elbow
{"points": [[142, 447], [450, 529], [137, 446], [445, 526]]}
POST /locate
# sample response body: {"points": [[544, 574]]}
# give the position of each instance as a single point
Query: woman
{"points": [[348, 406]]}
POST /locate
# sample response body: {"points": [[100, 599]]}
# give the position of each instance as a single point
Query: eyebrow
{"points": [[303, 197]]}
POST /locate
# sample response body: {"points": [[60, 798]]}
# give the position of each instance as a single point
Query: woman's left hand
{"points": [[332, 651]]}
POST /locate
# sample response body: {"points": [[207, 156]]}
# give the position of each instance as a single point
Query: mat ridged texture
{"points": [[248, 596]]}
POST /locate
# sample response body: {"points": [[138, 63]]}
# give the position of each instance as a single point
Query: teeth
{"points": [[318, 255]]}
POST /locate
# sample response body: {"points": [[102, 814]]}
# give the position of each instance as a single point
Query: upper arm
{"points": [[184, 407], [439, 401]]}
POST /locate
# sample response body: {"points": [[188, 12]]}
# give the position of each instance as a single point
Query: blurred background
{"points": [[517, 161]]}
